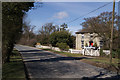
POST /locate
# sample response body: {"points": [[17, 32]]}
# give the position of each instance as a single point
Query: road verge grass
{"points": [[14, 68], [67, 54], [103, 62]]}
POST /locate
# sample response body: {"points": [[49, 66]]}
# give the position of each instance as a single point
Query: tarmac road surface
{"points": [[45, 64]]}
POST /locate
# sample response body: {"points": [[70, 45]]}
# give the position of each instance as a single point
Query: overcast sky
{"points": [[60, 12]]}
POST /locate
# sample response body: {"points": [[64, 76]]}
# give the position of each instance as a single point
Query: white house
{"points": [[85, 38]]}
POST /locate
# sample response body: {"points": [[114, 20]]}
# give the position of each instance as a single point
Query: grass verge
{"points": [[14, 68], [103, 63], [63, 53]]}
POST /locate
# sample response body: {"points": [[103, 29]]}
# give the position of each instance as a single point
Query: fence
{"points": [[107, 52], [86, 51], [91, 51], [76, 51]]}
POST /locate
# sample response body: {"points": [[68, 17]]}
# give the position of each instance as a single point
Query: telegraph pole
{"points": [[111, 40], [118, 36]]}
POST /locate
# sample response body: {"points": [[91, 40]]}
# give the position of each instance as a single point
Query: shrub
{"points": [[86, 45], [95, 45], [102, 53], [63, 46], [62, 37], [118, 53], [114, 54]]}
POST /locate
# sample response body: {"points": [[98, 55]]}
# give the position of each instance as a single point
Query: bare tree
{"points": [[102, 26], [28, 37], [45, 31]]}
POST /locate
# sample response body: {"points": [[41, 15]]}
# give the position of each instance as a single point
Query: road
{"points": [[44, 64]]}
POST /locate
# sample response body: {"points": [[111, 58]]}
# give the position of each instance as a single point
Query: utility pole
{"points": [[118, 37], [111, 40]]}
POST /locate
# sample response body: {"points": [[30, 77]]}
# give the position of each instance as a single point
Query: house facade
{"points": [[87, 39]]}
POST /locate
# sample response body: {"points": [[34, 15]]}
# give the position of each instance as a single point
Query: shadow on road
{"points": [[116, 77], [58, 59], [41, 53], [30, 50]]}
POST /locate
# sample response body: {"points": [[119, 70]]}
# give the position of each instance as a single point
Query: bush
{"points": [[63, 46], [114, 54], [95, 45], [118, 53], [102, 53], [62, 37]]}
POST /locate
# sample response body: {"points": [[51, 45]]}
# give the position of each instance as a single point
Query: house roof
{"points": [[82, 32]]}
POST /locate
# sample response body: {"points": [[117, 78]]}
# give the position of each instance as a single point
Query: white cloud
{"points": [[61, 15]]}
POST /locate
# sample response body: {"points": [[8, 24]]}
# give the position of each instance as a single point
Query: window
{"points": [[82, 44], [101, 43], [91, 35], [82, 36]]}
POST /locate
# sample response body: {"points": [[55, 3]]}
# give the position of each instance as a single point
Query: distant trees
{"points": [[45, 32], [102, 26], [55, 35], [49, 34], [63, 27], [12, 16], [28, 37]]}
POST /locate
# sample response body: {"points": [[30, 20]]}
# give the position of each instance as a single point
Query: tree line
{"points": [[50, 35], [54, 34]]}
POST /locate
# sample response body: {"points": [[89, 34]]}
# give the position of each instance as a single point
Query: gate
{"points": [[91, 51]]}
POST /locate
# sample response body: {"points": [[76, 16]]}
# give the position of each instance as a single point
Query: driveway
{"points": [[44, 64]]}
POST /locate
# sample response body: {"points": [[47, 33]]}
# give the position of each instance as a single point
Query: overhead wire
{"points": [[89, 13]]}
